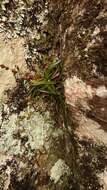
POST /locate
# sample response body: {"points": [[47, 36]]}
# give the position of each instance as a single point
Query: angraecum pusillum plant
{"points": [[50, 84]]}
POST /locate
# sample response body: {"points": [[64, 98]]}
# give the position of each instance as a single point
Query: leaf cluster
{"points": [[50, 83]]}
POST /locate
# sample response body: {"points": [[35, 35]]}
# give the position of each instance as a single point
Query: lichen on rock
{"points": [[28, 130], [58, 170], [24, 138], [32, 145]]}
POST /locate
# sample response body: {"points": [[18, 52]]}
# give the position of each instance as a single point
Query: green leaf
{"points": [[42, 82], [52, 68]]}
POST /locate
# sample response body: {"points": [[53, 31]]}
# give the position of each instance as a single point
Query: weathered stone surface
{"points": [[30, 143], [33, 153], [82, 98], [81, 32], [36, 152], [80, 38], [12, 55]]}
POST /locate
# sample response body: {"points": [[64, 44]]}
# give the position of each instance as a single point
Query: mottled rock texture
{"points": [[81, 33], [11, 56], [80, 38], [36, 151]]}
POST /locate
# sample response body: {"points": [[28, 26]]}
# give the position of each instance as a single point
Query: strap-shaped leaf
{"points": [[42, 82], [52, 68]]}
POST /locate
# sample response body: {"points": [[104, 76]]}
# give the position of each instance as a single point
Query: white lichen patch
{"points": [[89, 45], [77, 92], [20, 18], [29, 131], [35, 128], [38, 129], [7, 142], [59, 169], [41, 17], [96, 31]]}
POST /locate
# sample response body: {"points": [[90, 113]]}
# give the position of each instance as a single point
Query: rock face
{"points": [[11, 56], [80, 37], [26, 145], [36, 151], [30, 143]]}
